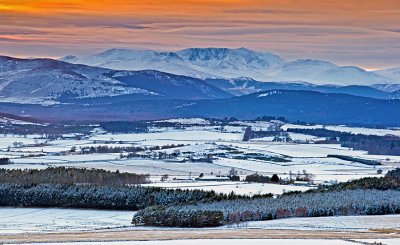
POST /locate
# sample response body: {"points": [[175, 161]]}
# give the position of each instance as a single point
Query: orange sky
{"points": [[364, 33]]}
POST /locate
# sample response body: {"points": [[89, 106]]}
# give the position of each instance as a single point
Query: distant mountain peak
{"points": [[392, 73], [310, 62], [228, 63], [69, 58], [204, 54]]}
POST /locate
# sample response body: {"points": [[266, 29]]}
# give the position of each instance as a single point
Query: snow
{"points": [[195, 62], [176, 136], [34, 220], [8, 140], [304, 137], [200, 121], [366, 131], [359, 223], [323, 169], [198, 141], [54, 78], [311, 150], [153, 167], [26, 220], [16, 121], [240, 188], [268, 94], [233, 63], [342, 128]]}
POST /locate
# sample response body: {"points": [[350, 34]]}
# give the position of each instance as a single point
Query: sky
{"points": [[365, 33]]}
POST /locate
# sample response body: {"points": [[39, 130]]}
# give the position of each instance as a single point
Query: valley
{"points": [[156, 122], [193, 154]]}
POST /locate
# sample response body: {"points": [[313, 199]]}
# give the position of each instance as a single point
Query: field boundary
{"points": [[184, 234]]}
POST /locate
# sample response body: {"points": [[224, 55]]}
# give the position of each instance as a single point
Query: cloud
{"points": [[345, 31], [268, 11]]}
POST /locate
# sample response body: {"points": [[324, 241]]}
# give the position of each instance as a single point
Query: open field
{"points": [[356, 223], [45, 220], [354, 130], [36, 152], [39, 220], [157, 236], [240, 188], [262, 156]]}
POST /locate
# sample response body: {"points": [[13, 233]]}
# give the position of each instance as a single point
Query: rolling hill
{"points": [[46, 81]]}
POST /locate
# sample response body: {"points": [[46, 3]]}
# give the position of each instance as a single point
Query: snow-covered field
{"points": [[9, 140], [44, 220], [199, 121], [55, 220], [199, 140], [354, 130], [33, 220], [359, 223], [240, 188], [173, 136]]}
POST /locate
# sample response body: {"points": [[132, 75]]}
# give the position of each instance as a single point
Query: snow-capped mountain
{"points": [[233, 63], [194, 62], [392, 73], [230, 63], [324, 72], [395, 95], [387, 87], [46, 81], [57, 90], [245, 86]]}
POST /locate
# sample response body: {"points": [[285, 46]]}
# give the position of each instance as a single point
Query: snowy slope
{"points": [[233, 63], [195, 62], [44, 80], [136, 60], [244, 86], [47, 81], [323, 72], [392, 73]]}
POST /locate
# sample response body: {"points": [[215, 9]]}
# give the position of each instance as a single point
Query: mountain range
{"points": [[46, 81], [244, 86], [61, 91], [308, 106], [234, 63]]}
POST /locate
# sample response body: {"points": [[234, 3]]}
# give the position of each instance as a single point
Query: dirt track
{"points": [[147, 235]]}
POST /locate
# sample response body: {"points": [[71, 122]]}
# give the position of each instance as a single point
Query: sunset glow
{"points": [[348, 32]]}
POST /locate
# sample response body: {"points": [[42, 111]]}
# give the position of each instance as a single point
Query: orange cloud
{"points": [[346, 31]]}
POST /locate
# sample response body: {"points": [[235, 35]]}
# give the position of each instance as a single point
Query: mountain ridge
{"points": [[45, 81], [293, 104], [229, 63]]}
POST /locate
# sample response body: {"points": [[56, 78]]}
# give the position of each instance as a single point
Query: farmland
{"points": [[195, 154]]}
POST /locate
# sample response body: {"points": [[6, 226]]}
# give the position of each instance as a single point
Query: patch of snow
{"points": [[268, 94]]}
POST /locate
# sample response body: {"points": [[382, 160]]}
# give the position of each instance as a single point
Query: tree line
{"points": [[374, 144], [367, 196], [5, 161], [334, 203], [103, 196], [62, 175]]}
